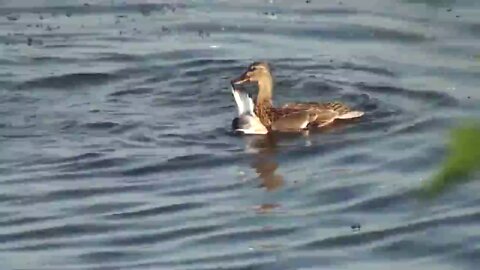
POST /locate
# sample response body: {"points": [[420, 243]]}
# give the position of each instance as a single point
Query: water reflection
{"points": [[264, 163], [265, 149]]}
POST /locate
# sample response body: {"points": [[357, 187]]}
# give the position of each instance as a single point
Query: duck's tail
{"points": [[350, 115]]}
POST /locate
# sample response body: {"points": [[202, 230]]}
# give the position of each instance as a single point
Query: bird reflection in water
{"points": [[266, 149], [264, 163]]}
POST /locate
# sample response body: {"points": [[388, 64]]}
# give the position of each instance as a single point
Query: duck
{"points": [[291, 117], [247, 122]]}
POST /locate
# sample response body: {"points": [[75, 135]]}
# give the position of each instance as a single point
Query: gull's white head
{"points": [[247, 121]]}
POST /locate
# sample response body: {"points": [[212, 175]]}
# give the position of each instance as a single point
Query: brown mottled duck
{"points": [[291, 116]]}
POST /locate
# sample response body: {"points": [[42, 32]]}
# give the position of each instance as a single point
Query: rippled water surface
{"points": [[116, 150]]}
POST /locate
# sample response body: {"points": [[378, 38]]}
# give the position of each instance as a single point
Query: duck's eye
{"points": [[252, 68]]}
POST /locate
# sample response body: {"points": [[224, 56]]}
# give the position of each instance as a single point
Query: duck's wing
{"points": [[341, 110], [324, 117], [293, 121], [319, 114]]}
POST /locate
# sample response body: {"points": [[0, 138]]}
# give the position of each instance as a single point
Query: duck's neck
{"points": [[265, 87]]}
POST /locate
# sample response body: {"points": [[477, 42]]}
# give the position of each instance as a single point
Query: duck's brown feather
{"points": [[338, 107], [326, 112]]}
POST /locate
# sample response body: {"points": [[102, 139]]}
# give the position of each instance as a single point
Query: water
{"points": [[116, 150]]}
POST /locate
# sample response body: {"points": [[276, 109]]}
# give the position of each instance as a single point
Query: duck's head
{"points": [[257, 72]]}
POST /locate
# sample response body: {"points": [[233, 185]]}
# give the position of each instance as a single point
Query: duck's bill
{"points": [[240, 80]]}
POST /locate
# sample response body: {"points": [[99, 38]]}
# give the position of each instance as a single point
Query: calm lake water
{"points": [[116, 149]]}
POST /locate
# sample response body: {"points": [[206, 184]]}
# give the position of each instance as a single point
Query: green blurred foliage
{"points": [[462, 162]]}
